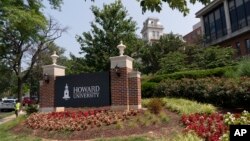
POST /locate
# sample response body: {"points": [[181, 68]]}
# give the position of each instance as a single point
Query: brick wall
{"points": [[134, 91], [242, 40], [119, 87], [46, 94]]}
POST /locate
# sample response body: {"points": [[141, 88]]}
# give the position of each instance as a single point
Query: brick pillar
{"points": [[135, 90], [120, 84], [47, 89]]}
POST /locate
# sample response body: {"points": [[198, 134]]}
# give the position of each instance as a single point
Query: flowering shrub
{"points": [[76, 121], [209, 127], [235, 119], [219, 91]]}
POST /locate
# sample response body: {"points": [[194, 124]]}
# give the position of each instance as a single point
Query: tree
{"points": [[24, 33], [181, 5], [44, 58], [151, 55], [106, 33], [172, 62], [156, 5]]}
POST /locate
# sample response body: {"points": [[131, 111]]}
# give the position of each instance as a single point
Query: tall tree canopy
{"points": [[156, 5], [181, 5], [111, 25], [24, 34], [151, 54]]}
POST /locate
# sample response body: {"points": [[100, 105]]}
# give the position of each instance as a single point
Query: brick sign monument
{"points": [[118, 89]]}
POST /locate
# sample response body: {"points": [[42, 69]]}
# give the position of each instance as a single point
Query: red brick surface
{"points": [[134, 91], [119, 87], [46, 94]]}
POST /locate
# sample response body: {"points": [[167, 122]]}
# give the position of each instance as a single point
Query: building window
{"points": [[215, 24], [239, 11], [158, 34], [238, 48], [153, 33], [247, 7], [247, 45]]}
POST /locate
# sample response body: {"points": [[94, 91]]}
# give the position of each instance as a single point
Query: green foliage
{"points": [[242, 119], [213, 57], [219, 91], [244, 67], [4, 115], [186, 137], [106, 33], [156, 5], [6, 135], [150, 55], [217, 72], [183, 106], [241, 69], [149, 89], [155, 105], [76, 65], [172, 62], [231, 119], [24, 34], [31, 108]]}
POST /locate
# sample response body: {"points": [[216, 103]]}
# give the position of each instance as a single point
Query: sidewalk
{"points": [[9, 118]]}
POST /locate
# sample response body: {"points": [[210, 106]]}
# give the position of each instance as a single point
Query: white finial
{"points": [[121, 48], [54, 58]]}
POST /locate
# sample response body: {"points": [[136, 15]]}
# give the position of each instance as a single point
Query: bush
{"points": [[32, 108], [155, 105], [184, 106], [244, 67], [219, 91], [194, 74], [150, 89]]}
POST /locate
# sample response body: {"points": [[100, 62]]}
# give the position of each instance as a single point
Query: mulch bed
{"points": [[107, 131]]}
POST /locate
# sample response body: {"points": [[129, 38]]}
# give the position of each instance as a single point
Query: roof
{"points": [[208, 8]]}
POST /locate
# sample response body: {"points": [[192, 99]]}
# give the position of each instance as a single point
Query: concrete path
{"points": [[9, 118]]}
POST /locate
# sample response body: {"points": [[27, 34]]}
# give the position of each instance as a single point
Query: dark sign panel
{"points": [[83, 90]]}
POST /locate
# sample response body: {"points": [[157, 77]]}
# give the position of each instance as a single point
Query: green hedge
{"points": [[151, 89], [194, 74], [219, 91]]}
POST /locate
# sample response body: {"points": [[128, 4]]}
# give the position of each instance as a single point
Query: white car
{"points": [[8, 104]]}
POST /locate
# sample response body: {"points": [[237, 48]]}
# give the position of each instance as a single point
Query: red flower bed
{"points": [[76, 121], [209, 127]]}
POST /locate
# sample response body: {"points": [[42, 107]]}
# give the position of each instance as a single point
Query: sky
{"points": [[76, 15]]}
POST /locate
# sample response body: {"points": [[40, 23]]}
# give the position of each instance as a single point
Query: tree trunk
{"points": [[19, 89]]}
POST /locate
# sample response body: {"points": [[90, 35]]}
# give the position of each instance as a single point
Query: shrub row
{"points": [[194, 74], [150, 89], [219, 91]]}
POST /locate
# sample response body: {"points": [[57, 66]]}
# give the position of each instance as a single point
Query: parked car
{"points": [[8, 104]]}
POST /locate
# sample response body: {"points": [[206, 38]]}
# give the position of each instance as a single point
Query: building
{"points": [[227, 23], [194, 36], [152, 29]]}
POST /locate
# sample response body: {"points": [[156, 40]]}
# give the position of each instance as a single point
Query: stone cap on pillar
{"points": [[121, 61], [135, 74], [54, 69]]}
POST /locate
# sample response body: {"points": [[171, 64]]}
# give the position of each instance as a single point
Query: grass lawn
{"points": [[6, 135], [3, 115], [147, 137]]}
